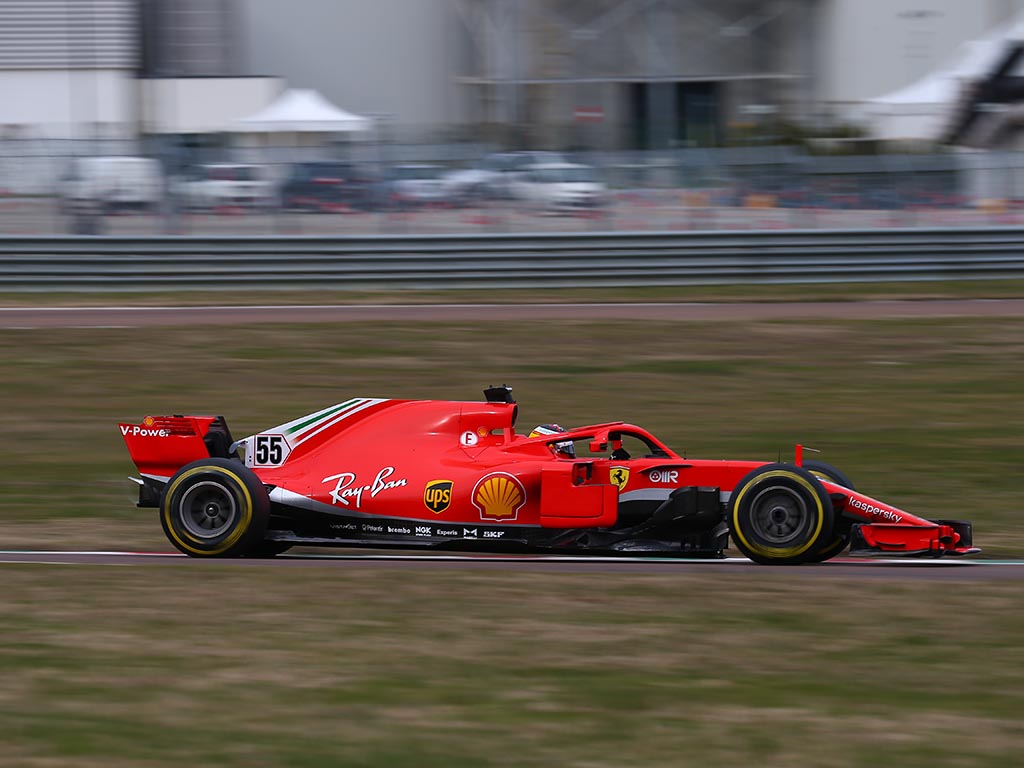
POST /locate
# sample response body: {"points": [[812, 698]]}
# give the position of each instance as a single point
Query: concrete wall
{"points": [[69, 104], [203, 105], [365, 56]]}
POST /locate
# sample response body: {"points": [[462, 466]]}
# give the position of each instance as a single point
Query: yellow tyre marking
{"points": [[772, 551], [824, 476], [245, 512]]}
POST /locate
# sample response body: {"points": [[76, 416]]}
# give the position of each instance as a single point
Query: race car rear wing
{"points": [[161, 445]]}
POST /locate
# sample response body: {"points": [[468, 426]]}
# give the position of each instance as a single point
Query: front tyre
{"points": [[214, 508], [779, 513], [840, 538]]}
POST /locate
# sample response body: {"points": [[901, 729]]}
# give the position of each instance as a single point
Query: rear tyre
{"points": [[840, 528], [778, 514], [214, 508]]}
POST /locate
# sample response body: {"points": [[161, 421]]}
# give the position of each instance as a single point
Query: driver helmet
{"points": [[561, 449]]}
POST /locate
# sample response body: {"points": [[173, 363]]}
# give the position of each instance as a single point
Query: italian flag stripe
{"points": [[308, 428], [300, 424]]}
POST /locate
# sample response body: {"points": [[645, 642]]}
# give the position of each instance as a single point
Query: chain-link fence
{"points": [[137, 187]]}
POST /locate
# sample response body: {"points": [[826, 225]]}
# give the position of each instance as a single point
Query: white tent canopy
{"points": [[922, 110], [302, 111]]}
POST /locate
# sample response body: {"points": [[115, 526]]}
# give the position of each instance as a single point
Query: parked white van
{"points": [[112, 183]]}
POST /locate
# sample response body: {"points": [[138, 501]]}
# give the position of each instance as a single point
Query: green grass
{"points": [[925, 414], [965, 289], [220, 664], [240, 666]]}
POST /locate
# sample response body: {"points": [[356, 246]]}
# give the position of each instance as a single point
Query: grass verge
{"points": [[960, 289], [244, 666], [209, 664], [924, 414]]}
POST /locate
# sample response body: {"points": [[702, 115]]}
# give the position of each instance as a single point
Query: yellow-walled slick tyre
{"points": [[779, 514], [214, 508], [840, 538]]}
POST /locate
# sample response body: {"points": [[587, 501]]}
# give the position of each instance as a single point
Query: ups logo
{"points": [[438, 495]]}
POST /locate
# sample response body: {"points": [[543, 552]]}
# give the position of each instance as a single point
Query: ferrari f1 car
{"points": [[456, 475]]}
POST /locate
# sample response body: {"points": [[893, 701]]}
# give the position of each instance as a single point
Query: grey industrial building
{"points": [[602, 73]]}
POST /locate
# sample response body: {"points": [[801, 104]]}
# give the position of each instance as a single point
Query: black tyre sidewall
{"points": [[825, 471], [250, 497], [840, 529], [801, 483]]}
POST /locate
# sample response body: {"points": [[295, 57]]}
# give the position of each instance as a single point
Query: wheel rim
{"points": [[208, 510], [778, 516]]}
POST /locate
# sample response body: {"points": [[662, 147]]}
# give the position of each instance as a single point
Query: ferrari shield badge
{"points": [[619, 476]]}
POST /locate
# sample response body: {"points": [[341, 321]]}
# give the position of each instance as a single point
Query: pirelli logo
{"points": [[437, 495]]}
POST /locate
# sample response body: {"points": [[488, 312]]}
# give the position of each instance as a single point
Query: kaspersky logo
{"points": [[499, 496], [438, 495]]}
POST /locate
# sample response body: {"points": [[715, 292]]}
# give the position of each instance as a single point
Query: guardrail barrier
{"points": [[104, 264]]}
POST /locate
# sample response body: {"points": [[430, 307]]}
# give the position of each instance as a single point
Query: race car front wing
{"points": [[932, 539]]}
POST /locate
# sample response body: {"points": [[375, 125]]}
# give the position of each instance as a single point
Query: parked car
{"points": [[416, 185], [560, 187], [218, 185], [315, 187], [328, 186], [492, 176], [111, 183]]}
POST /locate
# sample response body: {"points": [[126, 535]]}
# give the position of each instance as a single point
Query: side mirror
{"points": [[596, 446]]}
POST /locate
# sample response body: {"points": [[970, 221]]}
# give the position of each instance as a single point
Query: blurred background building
{"points": [[67, 69], [621, 84], [606, 73], [614, 73]]}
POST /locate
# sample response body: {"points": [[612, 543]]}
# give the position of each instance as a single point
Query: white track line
{"points": [[498, 558]]}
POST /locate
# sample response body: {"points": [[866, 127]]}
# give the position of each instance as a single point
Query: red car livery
{"points": [[373, 472]]}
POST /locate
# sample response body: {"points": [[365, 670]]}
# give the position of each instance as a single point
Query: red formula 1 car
{"points": [[456, 475]]}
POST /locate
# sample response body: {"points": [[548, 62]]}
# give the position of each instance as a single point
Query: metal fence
{"points": [[751, 188], [507, 261]]}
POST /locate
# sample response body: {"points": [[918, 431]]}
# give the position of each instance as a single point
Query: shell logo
{"points": [[499, 496]]}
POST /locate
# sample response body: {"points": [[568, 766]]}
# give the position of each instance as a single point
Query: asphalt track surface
{"points": [[149, 317], [947, 569]]}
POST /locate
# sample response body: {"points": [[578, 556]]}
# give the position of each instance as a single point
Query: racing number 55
{"points": [[269, 450]]}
